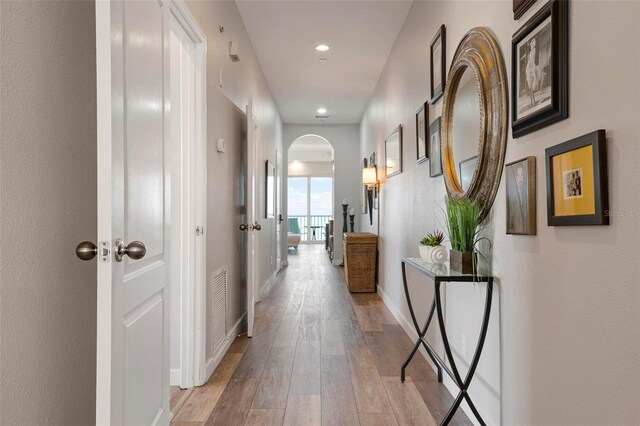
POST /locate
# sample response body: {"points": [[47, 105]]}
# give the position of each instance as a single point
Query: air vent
{"points": [[217, 311], [322, 117]]}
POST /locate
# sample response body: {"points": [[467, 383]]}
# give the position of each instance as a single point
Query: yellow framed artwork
{"points": [[577, 188]]}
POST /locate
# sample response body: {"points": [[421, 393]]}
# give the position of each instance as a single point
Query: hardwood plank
{"points": [[378, 419], [177, 398], [305, 377], [274, 383], [265, 417], [367, 387], [203, 399], [338, 401], [288, 332], [407, 404], [233, 406], [309, 327], [303, 410], [367, 318], [239, 344], [187, 423], [331, 338]]}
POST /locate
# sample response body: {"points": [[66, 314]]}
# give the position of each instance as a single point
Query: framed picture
{"points": [[577, 186], [393, 152], [372, 159], [521, 196], [269, 190], [422, 118], [437, 53], [539, 70], [435, 161], [467, 169], [520, 7]]}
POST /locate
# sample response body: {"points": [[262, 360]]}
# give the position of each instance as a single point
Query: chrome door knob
{"points": [[86, 250], [257, 226], [135, 250], [244, 226]]}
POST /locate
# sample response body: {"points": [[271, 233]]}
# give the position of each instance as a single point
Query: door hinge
{"points": [[104, 250], [199, 231]]}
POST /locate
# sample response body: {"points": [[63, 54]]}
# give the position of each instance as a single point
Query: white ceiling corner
{"points": [[360, 33]]}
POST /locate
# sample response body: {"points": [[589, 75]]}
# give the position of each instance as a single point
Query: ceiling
{"points": [[284, 35], [310, 148]]}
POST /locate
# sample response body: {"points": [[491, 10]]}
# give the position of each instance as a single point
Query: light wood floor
{"points": [[319, 356]]}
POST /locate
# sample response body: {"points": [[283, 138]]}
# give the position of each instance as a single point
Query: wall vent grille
{"points": [[217, 306]]}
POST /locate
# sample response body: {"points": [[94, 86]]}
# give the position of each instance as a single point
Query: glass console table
{"points": [[439, 274]]}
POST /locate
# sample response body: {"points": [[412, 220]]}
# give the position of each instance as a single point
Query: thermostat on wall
{"points": [[220, 145]]}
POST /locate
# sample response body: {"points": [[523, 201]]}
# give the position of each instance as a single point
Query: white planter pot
{"points": [[437, 254]]}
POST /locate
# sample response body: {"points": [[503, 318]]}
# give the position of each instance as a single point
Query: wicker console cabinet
{"points": [[360, 252]]}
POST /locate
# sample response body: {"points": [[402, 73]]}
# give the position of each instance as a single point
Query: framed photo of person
{"points": [[539, 70], [520, 7], [577, 185], [437, 53], [467, 169], [521, 196], [435, 160], [422, 118]]}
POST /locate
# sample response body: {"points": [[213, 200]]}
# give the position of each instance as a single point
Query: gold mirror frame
{"points": [[480, 52]]}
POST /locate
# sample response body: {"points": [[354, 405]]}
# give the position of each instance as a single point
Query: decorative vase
{"points": [[433, 254], [463, 262]]}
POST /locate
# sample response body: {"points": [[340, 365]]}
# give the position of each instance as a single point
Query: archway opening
{"points": [[310, 191]]}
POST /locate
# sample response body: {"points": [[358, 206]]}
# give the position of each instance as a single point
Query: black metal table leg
{"points": [[421, 333]]}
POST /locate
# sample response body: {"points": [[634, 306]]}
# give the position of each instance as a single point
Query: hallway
{"points": [[320, 356]]}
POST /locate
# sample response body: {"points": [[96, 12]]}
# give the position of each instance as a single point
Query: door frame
{"points": [[192, 244]]}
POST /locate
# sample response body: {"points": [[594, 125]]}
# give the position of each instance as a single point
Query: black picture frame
{"points": [[557, 71], [398, 131], [269, 190], [437, 88], [422, 127], [520, 7], [597, 140], [435, 158], [519, 211]]}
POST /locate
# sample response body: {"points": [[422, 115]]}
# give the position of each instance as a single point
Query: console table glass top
{"points": [[442, 271]]}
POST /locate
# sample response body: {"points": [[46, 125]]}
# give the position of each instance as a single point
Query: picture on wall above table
{"points": [[393, 152], [435, 160], [539, 70], [437, 54], [422, 118], [521, 196], [269, 189], [467, 169], [577, 184], [520, 7]]}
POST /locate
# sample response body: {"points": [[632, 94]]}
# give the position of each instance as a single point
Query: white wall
{"points": [[241, 81], [310, 168], [345, 139], [47, 206], [563, 346]]}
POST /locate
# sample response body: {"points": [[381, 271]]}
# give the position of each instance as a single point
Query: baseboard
{"points": [[408, 328], [175, 377], [337, 262], [212, 363]]}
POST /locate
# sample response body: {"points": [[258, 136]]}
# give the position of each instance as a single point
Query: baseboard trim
{"points": [[212, 363], [411, 332], [175, 377]]}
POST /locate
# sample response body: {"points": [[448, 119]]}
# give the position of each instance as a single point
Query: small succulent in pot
{"points": [[431, 248], [433, 239]]}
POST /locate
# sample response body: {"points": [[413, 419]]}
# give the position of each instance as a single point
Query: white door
{"points": [[132, 41], [252, 217]]}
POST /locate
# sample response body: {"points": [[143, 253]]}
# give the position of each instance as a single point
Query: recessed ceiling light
{"points": [[322, 48], [321, 110]]}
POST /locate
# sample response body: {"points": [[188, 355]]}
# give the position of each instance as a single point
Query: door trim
{"points": [[194, 164]]}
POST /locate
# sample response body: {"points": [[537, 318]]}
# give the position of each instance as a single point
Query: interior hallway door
{"points": [[252, 226], [132, 52]]}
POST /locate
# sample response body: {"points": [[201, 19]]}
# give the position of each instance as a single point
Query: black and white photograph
{"points": [[521, 196], [534, 66], [539, 69], [438, 72], [572, 184], [435, 162]]}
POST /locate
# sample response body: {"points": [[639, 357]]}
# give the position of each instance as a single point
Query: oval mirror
{"points": [[474, 120]]}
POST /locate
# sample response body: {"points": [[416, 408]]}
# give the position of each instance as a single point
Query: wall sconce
{"points": [[370, 180]]}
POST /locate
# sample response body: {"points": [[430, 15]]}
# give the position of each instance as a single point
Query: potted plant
{"points": [[463, 221], [431, 248]]}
